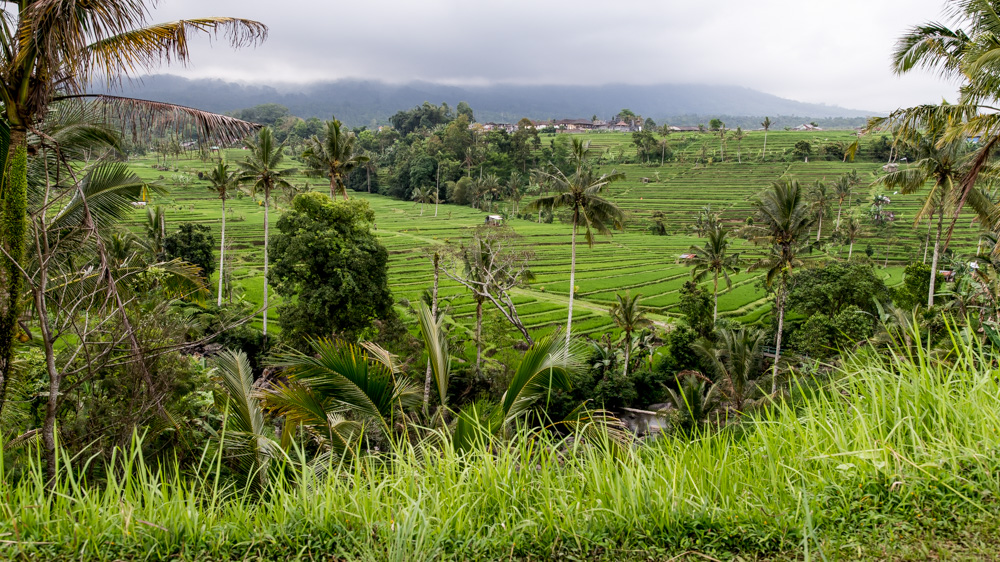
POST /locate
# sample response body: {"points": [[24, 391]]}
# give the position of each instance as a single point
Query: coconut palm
{"points": [[783, 218], [736, 358], [261, 171], [713, 258], [334, 156], [822, 198], [581, 193], [766, 124], [942, 162], [843, 188], [851, 230], [968, 53], [627, 315], [223, 180], [738, 136], [488, 188], [52, 50], [423, 195]]}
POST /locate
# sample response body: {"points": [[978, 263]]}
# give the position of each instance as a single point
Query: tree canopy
{"points": [[330, 268]]}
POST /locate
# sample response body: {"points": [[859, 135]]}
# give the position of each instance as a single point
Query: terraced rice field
{"points": [[633, 260]]}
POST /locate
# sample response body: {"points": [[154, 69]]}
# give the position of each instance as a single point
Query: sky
{"points": [[837, 53]]}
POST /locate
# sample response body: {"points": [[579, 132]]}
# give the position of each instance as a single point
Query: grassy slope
{"points": [[899, 460]]}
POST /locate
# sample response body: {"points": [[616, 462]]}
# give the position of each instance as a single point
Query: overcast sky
{"points": [[834, 52]]}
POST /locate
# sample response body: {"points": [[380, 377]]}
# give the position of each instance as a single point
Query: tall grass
{"points": [[895, 446]]}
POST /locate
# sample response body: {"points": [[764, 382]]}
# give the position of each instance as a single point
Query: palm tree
{"points": [[488, 188], [627, 315], [713, 258], [246, 435], [735, 357], [362, 381], [941, 160], [334, 156], [423, 195], [766, 123], [581, 193], [739, 135], [722, 143], [822, 199], [694, 401], [851, 231], [260, 170], [51, 51], [222, 180], [842, 190], [969, 54], [784, 216]]}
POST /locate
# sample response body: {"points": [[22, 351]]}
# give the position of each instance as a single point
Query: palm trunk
{"points": [[715, 312], [572, 281], [222, 251], [479, 335], [934, 259], [777, 339], [434, 313], [13, 237], [267, 203], [927, 238], [819, 228], [840, 206], [368, 173], [850, 250], [437, 191], [628, 351]]}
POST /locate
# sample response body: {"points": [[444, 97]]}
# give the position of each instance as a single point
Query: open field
{"points": [[633, 260]]}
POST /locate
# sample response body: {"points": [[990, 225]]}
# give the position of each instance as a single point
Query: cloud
{"points": [[821, 52]]}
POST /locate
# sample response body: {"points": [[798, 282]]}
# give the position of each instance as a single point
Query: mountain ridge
{"points": [[368, 102]]}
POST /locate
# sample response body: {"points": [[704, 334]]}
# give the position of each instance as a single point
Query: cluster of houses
{"points": [[568, 125], [600, 125]]}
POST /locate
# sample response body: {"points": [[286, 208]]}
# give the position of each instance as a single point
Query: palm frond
{"points": [[146, 48], [546, 366], [436, 344]]}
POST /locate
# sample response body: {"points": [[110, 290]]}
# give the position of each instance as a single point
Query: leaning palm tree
{"points": [[334, 156], [581, 193], [714, 258], [223, 180], [261, 171], [783, 219], [54, 50], [627, 315]]}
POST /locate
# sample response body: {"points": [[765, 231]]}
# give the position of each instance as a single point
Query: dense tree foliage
{"points": [[330, 268], [193, 243]]}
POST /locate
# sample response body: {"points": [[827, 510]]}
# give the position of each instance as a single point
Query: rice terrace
{"points": [[514, 291]]}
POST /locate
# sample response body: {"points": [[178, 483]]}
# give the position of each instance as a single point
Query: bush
{"points": [[194, 244]]}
